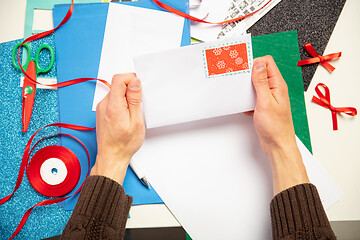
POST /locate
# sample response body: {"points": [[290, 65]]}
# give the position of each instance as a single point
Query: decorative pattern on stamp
{"points": [[227, 59]]}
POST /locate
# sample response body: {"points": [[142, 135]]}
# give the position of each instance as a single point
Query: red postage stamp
{"points": [[226, 59]]}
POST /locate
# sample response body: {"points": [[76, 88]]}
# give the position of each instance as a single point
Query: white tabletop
{"points": [[338, 151]]}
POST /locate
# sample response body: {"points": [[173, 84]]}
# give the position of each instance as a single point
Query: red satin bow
{"points": [[324, 101], [318, 58]]}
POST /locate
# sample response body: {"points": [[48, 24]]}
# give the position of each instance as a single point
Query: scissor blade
{"points": [[28, 94]]}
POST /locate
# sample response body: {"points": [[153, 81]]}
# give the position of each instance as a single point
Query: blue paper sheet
{"points": [[78, 45]]}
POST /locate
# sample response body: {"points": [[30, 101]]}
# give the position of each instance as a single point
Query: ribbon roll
{"points": [[54, 171], [323, 60], [324, 101], [61, 156]]}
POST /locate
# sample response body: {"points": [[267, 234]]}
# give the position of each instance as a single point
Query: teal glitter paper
{"points": [[44, 221]]}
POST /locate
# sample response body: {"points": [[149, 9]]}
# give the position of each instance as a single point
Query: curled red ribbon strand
{"points": [[324, 101], [44, 34], [67, 156], [318, 58], [187, 16]]}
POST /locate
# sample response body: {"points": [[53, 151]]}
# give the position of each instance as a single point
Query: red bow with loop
{"points": [[323, 60], [324, 101]]}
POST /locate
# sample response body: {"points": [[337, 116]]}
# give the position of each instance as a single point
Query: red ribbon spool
{"points": [[33, 170], [60, 153]]}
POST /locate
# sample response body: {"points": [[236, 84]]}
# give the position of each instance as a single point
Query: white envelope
{"points": [[197, 82]]}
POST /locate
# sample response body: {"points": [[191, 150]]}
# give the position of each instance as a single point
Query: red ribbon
{"points": [[44, 34], [318, 58], [184, 15], [43, 154], [324, 101]]}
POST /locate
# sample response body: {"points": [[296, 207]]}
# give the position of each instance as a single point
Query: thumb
{"points": [[133, 97], [260, 78]]}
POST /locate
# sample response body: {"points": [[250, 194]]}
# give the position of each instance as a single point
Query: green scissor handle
{"points": [[38, 68], [14, 56], [36, 60]]}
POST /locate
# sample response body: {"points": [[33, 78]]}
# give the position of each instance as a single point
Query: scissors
{"points": [[32, 68]]}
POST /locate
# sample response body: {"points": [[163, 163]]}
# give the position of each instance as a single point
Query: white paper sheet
{"points": [[131, 31], [215, 179], [177, 86]]}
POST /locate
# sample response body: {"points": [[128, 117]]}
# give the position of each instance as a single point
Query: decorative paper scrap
{"points": [[241, 8], [227, 60], [196, 82]]}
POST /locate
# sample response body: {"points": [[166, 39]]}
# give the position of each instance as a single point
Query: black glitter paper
{"points": [[313, 19]]}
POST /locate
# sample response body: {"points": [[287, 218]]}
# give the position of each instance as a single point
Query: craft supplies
{"points": [[48, 221]]}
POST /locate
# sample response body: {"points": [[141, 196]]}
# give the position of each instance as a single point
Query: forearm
{"points": [[101, 211], [287, 166], [110, 166]]}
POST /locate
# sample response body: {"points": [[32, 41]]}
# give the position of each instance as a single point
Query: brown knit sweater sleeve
{"points": [[297, 213], [101, 211]]}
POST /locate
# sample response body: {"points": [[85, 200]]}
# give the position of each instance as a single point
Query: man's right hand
{"points": [[274, 126]]}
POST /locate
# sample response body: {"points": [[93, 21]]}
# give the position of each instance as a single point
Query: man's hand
{"points": [[120, 129], [274, 126], [272, 116]]}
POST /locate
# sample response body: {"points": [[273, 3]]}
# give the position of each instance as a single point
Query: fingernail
{"points": [[134, 84], [260, 65]]}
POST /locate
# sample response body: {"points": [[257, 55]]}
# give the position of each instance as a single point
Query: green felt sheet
{"points": [[284, 48]]}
